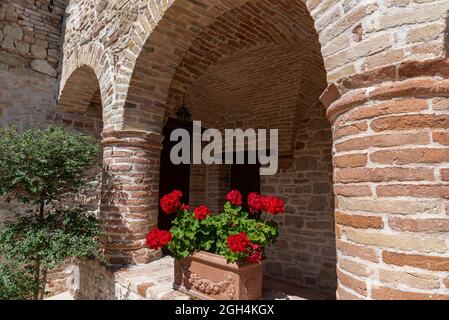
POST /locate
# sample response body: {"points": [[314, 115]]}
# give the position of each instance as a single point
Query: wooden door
{"points": [[172, 177], [246, 179]]}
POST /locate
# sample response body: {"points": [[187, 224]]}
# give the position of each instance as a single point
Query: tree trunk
{"points": [[37, 264], [44, 284], [37, 275]]}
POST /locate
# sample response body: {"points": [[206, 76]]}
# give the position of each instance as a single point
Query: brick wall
{"points": [[144, 71], [391, 156], [355, 36]]}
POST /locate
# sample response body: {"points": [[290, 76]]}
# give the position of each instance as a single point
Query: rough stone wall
{"points": [[91, 281], [305, 253], [30, 37]]}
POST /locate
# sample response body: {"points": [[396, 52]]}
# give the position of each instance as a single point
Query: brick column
{"points": [[391, 160], [130, 194]]}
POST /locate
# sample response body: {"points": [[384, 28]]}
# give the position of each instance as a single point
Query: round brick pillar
{"points": [[391, 176], [130, 187]]}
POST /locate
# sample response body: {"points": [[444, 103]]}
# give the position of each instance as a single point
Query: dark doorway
{"points": [[172, 177], [246, 179]]}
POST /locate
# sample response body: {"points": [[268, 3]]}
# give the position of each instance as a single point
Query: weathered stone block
{"points": [[38, 52], [44, 67], [13, 31]]}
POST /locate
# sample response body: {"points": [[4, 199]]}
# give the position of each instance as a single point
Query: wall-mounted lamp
{"points": [[183, 115]]}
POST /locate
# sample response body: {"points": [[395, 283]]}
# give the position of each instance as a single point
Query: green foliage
{"points": [[211, 234], [41, 168], [38, 165], [52, 239], [16, 282]]}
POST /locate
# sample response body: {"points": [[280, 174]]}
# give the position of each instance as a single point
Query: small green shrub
{"points": [[41, 168]]}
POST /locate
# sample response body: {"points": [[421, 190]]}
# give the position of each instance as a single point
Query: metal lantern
{"points": [[183, 115]]}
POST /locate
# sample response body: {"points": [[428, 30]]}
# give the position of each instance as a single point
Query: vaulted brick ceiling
{"points": [[262, 55], [255, 24]]}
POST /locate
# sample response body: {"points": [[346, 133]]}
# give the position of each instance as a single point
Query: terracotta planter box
{"points": [[209, 277]]}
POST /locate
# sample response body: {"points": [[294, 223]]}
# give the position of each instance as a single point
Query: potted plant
{"points": [[219, 256]]}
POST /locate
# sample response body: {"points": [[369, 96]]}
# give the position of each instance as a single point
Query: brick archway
{"points": [[88, 73], [369, 150], [80, 103], [78, 91], [169, 60], [236, 50]]}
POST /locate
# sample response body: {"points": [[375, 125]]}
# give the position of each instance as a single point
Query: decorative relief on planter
{"points": [[206, 286], [208, 276], [250, 287]]}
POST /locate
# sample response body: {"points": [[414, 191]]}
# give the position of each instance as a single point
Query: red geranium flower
{"points": [[157, 239], [171, 202], [184, 207], [273, 205], [201, 212], [238, 242], [255, 253], [255, 202], [235, 198]]}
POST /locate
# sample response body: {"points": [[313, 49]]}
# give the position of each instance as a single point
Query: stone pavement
{"points": [[154, 281]]}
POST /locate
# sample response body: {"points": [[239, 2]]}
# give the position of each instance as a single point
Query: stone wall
{"points": [[30, 38], [31, 35], [357, 36], [89, 280], [305, 253]]}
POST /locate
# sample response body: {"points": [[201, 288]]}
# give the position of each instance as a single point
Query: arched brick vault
{"points": [[84, 72], [191, 37], [356, 36], [263, 56], [278, 83], [81, 86], [389, 125]]}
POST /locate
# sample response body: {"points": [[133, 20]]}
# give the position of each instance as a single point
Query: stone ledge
{"points": [[154, 281]]}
